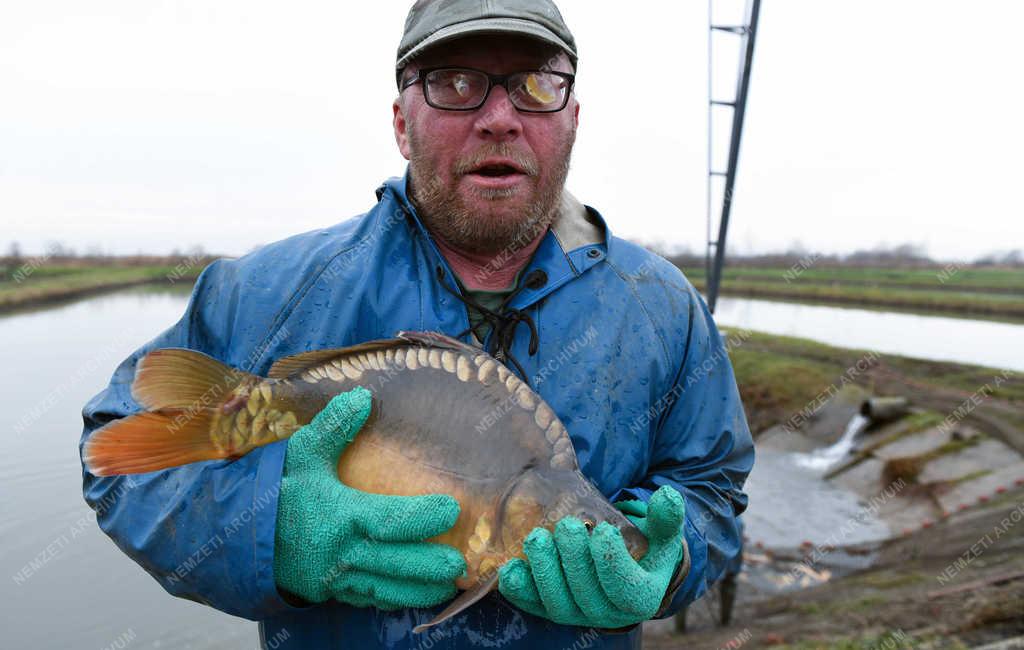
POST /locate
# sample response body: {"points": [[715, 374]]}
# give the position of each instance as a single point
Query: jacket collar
{"points": [[577, 240]]}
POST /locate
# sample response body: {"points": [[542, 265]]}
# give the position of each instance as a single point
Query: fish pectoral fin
{"points": [[461, 603]]}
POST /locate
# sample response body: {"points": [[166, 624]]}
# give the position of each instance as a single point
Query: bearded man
{"points": [[480, 241]]}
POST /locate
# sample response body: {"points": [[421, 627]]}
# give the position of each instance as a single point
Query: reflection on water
{"points": [[65, 584], [987, 343]]}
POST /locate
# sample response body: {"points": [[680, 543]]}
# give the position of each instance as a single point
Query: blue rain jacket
{"points": [[628, 357]]}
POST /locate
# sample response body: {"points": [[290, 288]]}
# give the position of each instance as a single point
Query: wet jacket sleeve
{"points": [[703, 448], [204, 531]]}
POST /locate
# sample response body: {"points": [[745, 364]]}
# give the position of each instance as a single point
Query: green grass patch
{"points": [[946, 374], [774, 386], [779, 375]]}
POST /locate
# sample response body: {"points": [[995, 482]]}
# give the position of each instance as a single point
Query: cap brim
{"points": [[487, 26]]}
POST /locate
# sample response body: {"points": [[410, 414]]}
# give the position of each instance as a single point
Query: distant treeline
{"points": [[902, 256]]}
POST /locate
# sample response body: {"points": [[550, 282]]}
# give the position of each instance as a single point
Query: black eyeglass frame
{"points": [[492, 81]]}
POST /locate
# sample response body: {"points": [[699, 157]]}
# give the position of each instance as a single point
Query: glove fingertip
{"points": [[538, 538], [455, 564], [569, 526], [666, 512], [607, 543], [513, 577], [351, 409], [445, 509]]}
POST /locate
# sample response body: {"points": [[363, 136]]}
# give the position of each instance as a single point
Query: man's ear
{"points": [[576, 112], [401, 128]]}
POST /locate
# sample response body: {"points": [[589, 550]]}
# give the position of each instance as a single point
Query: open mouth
{"points": [[497, 169], [493, 171]]}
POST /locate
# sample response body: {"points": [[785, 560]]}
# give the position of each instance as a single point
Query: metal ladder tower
{"points": [[747, 33]]}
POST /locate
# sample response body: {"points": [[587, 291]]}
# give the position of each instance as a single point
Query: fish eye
{"points": [[588, 524]]}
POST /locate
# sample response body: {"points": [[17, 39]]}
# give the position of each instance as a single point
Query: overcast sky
{"points": [[149, 126]]}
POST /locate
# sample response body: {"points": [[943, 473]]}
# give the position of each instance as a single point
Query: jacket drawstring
{"points": [[504, 321]]}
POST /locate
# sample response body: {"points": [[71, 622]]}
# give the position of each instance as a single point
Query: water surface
{"points": [[982, 342], [65, 584]]}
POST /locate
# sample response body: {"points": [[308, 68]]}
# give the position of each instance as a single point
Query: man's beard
{"points": [[444, 213]]}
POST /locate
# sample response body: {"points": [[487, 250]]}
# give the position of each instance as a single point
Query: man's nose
{"points": [[498, 119]]}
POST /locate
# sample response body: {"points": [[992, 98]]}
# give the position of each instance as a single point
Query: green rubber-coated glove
{"points": [[333, 541], [576, 578]]}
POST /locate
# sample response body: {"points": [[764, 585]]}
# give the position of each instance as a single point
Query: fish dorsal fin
{"points": [[177, 378], [464, 601], [288, 366], [438, 340]]}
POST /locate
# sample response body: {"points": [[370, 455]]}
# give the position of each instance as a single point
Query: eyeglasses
{"points": [[466, 89]]}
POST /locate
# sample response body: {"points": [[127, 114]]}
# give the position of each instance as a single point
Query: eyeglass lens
{"points": [[467, 89]]}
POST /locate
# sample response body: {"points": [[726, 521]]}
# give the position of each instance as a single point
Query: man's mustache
{"points": [[523, 160]]}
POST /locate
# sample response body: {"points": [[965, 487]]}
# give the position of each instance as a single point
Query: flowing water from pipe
{"points": [[822, 460]]}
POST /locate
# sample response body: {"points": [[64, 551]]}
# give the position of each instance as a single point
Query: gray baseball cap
{"points": [[431, 22]]}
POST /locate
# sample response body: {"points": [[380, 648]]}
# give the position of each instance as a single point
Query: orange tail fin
{"points": [[183, 390], [148, 442]]}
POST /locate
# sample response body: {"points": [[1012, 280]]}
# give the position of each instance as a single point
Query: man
{"points": [[479, 240]]}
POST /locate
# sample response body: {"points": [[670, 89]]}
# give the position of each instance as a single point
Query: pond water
{"points": [[791, 503], [988, 343], [65, 584]]}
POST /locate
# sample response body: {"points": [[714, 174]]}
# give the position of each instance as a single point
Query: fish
{"points": [[446, 417]]}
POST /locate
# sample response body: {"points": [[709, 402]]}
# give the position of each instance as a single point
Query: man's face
{"points": [[453, 154]]}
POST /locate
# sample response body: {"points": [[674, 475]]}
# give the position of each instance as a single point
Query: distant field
{"points": [[993, 292], [52, 283]]}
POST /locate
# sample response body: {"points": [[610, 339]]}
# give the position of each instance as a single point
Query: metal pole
{"points": [[711, 124], [749, 35]]}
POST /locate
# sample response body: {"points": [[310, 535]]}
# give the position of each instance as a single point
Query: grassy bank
{"points": [[984, 280], [45, 284], [982, 292], [778, 376]]}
